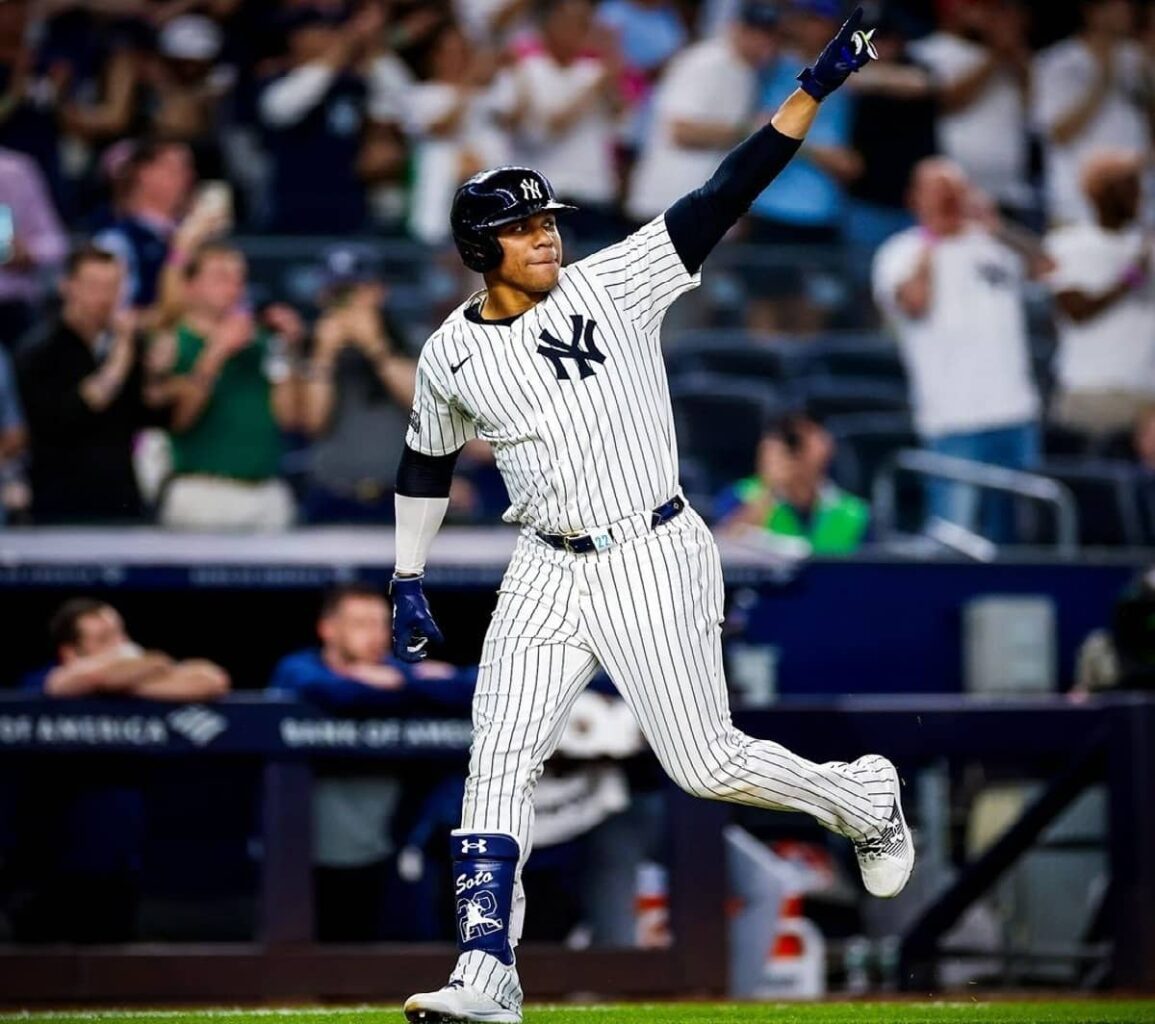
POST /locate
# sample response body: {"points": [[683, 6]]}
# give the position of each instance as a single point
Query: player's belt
{"points": [[584, 543]]}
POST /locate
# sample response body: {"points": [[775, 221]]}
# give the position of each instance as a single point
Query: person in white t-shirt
{"points": [[1092, 91], [570, 100], [981, 64], [703, 106], [459, 118], [951, 288], [1106, 302]]}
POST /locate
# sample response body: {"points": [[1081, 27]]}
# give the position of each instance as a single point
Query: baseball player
{"points": [[560, 370]]}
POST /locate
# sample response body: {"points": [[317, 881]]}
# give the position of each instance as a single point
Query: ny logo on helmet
{"points": [[530, 189], [477, 847]]}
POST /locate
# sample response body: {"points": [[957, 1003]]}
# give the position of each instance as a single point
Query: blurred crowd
{"points": [[999, 145]]}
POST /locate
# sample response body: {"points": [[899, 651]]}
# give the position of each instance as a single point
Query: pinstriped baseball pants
{"points": [[649, 611]]}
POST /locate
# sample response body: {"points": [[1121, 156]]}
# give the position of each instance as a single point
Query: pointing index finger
{"points": [[853, 21]]}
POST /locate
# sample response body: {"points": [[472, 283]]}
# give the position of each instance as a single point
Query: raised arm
{"points": [[698, 221], [1080, 304], [915, 292], [1069, 123]]}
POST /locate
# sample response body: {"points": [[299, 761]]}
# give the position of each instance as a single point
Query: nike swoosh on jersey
{"points": [[454, 369]]}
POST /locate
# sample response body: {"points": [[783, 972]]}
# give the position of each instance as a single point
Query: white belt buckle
{"points": [[602, 540]]}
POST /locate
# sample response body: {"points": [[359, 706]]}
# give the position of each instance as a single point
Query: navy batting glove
{"points": [[847, 52], [413, 625]]}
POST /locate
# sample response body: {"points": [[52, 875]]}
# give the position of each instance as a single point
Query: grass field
{"points": [[971, 1012]]}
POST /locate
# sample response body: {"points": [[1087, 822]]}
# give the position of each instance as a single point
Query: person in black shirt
{"points": [[898, 93], [314, 120], [85, 397]]}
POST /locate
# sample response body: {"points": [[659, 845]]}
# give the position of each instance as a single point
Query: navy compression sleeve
{"points": [[699, 219], [425, 476]]}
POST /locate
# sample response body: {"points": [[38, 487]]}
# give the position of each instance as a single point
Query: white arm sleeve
{"points": [[418, 520], [290, 99]]}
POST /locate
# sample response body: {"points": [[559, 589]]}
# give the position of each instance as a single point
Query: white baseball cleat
{"points": [[886, 858], [457, 1004]]}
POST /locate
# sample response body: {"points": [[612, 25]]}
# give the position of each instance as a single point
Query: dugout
{"points": [[886, 632]]}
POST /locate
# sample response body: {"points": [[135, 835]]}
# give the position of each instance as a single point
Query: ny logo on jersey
{"points": [[555, 351], [995, 275], [530, 189]]}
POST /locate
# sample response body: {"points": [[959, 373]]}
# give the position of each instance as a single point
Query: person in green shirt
{"points": [[791, 495], [235, 391]]}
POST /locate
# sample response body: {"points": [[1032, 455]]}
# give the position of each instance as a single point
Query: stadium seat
{"points": [[1118, 444], [719, 422], [1106, 493], [1065, 441], [1145, 491], [733, 352], [826, 398], [852, 355], [865, 443], [289, 268], [695, 483], [763, 363], [730, 337]]}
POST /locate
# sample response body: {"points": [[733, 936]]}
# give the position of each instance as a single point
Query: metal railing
{"points": [[1015, 482]]}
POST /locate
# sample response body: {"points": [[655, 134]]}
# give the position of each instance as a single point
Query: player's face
{"points": [[358, 630], [532, 249]]}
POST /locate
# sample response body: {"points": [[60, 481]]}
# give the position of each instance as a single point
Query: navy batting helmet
{"points": [[490, 200]]}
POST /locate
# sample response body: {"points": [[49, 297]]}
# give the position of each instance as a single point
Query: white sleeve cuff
{"points": [[418, 520]]}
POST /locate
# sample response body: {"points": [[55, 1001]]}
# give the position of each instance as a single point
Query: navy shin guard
{"points": [[484, 867]]}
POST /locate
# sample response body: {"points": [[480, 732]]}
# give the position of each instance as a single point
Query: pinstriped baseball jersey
{"points": [[572, 394]]}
